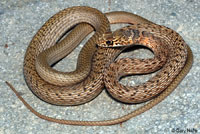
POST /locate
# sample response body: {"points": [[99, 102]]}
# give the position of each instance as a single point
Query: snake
{"points": [[99, 58], [174, 50]]}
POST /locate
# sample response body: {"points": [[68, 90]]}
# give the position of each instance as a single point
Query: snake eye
{"points": [[109, 42]]}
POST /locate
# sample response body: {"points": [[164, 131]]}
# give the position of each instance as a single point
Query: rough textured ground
{"points": [[20, 20]]}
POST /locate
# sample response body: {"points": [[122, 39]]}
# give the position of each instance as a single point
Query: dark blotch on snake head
{"points": [[135, 34]]}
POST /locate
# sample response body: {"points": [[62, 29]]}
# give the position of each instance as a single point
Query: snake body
{"points": [[46, 37], [174, 50], [76, 92], [94, 59]]}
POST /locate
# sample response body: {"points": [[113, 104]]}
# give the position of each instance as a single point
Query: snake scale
{"points": [[96, 63]]}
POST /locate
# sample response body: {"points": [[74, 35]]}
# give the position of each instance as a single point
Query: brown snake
{"points": [[174, 50], [92, 85]]}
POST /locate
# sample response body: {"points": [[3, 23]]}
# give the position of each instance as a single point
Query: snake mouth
{"points": [[114, 43], [114, 46]]}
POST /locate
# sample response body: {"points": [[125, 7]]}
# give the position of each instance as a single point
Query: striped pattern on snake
{"points": [[174, 49]]}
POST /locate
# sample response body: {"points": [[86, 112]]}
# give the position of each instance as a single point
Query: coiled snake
{"points": [[87, 81]]}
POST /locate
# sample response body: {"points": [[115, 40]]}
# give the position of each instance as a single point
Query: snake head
{"points": [[119, 38], [106, 40]]}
